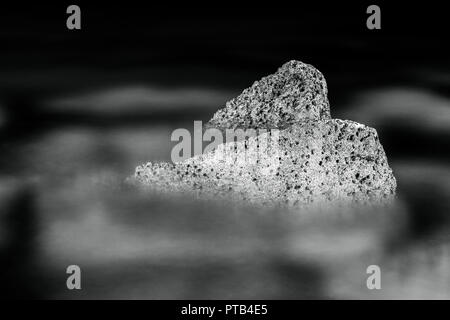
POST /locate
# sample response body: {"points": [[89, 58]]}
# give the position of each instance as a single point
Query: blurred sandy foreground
{"points": [[71, 206]]}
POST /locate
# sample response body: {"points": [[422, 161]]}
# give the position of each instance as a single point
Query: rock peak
{"points": [[296, 92]]}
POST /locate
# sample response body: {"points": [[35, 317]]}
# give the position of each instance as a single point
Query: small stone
{"points": [[311, 159]]}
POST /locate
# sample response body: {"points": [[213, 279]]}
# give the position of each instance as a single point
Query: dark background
{"points": [[79, 109]]}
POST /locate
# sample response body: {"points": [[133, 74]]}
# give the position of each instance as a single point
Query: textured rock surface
{"points": [[295, 92], [313, 159]]}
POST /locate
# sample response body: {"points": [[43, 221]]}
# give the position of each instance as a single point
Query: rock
{"points": [[311, 159], [295, 92]]}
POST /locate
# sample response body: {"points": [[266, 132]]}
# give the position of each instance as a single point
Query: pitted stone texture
{"points": [[297, 91], [312, 161]]}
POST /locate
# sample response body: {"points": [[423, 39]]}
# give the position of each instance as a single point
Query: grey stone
{"points": [[308, 162], [312, 159], [295, 92]]}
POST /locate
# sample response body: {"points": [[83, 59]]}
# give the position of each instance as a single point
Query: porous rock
{"points": [[297, 91], [310, 159]]}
